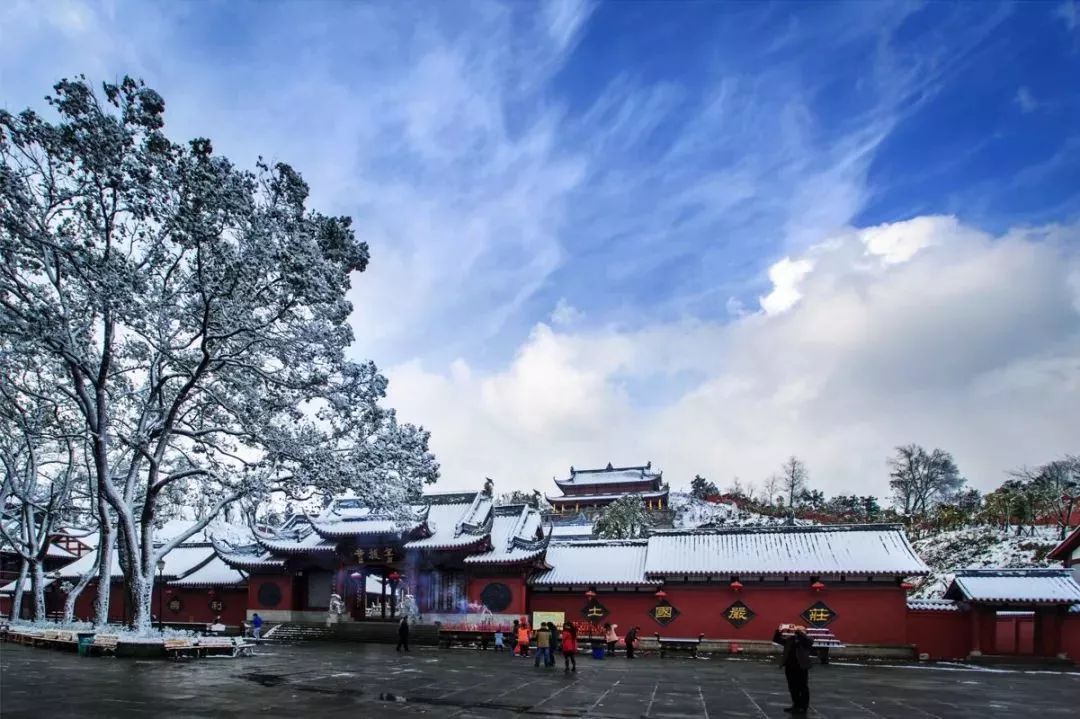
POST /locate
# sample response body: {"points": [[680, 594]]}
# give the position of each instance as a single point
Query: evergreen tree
{"points": [[625, 518], [702, 488]]}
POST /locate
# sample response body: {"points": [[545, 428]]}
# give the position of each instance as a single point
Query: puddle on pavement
{"points": [[267, 680]]}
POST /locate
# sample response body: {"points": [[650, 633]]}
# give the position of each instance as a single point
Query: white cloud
{"points": [[950, 338], [1026, 100], [785, 276], [1069, 12], [566, 314]]}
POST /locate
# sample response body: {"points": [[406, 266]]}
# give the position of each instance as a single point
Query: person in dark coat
{"points": [[631, 639], [796, 664], [403, 634]]}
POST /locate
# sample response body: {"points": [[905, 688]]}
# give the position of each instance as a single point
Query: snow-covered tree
{"points": [[793, 478], [199, 314], [40, 459], [702, 488], [920, 479], [625, 518]]}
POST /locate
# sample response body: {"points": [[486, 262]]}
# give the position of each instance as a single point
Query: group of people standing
{"points": [[550, 640], [611, 638]]}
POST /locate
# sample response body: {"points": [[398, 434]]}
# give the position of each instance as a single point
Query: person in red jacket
{"points": [[569, 647]]}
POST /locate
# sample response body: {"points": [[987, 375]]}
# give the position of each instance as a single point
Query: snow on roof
{"points": [[596, 563], [452, 525], [610, 475], [57, 552], [594, 497], [302, 538], [28, 585], [932, 605], [214, 573], [179, 561], [513, 537], [1015, 586], [821, 550], [567, 531], [1063, 551]]}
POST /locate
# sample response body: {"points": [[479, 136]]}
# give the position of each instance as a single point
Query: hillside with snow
{"points": [[691, 512], [967, 548], [980, 547]]}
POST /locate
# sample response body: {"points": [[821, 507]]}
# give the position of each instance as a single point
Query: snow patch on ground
{"points": [[691, 512], [979, 547]]}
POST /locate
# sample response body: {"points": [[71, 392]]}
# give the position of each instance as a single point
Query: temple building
{"points": [[456, 562], [446, 554], [589, 490]]}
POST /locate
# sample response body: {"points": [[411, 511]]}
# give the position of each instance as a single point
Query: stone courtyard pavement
{"points": [[321, 680]]}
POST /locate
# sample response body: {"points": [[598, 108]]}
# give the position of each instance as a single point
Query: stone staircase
{"points": [[372, 632]]}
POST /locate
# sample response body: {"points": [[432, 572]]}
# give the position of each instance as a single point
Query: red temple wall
{"points": [[284, 585], [516, 584], [1070, 637], [942, 635], [195, 604], [864, 615]]}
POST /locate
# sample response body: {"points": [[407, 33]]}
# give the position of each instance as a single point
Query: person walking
{"points": [[403, 634], [569, 646], [631, 640], [523, 640], [499, 646], [556, 643], [795, 662], [256, 625], [543, 645], [514, 638], [611, 638]]}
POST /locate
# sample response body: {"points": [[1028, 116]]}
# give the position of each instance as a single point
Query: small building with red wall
{"points": [[588, 490]]}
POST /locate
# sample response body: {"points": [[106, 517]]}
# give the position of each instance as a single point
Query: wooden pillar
{"points": [[383, 589], [361, 592]]}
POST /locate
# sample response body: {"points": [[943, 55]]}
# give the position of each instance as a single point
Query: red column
{"points": [[976, 645]]}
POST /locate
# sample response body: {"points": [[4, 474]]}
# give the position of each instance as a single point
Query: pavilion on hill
{"points": [[592, 489]]}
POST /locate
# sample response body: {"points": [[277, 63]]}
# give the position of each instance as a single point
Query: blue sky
{"points": [[713, 234]]}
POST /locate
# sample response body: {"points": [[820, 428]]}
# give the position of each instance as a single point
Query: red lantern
{"points": [[907, 586], [736, 585], [817, 586], [660, 593], [394, 576], [356, 576], [211, 593], [590, 594]]}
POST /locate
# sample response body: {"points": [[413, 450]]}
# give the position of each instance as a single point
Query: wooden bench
{"points": [[467, 636], [105, 643], [216, 646], [179, 648], [678, 644], [243, 648]]}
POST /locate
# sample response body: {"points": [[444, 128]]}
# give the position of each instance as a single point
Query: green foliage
{"points": [[625, 518], [702, 488]]}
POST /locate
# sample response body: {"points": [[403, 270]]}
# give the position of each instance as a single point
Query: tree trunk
{"points": [[73, 596], [104, 575], [37, 584], [142, 591], [16, 603]]}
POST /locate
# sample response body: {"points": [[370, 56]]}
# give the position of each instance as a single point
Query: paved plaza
{"points": [[321, 680]]}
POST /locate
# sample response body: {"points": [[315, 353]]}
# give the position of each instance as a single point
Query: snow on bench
{"points": [[177, 647], [105, 643], [223, 646], [679, 644]]}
